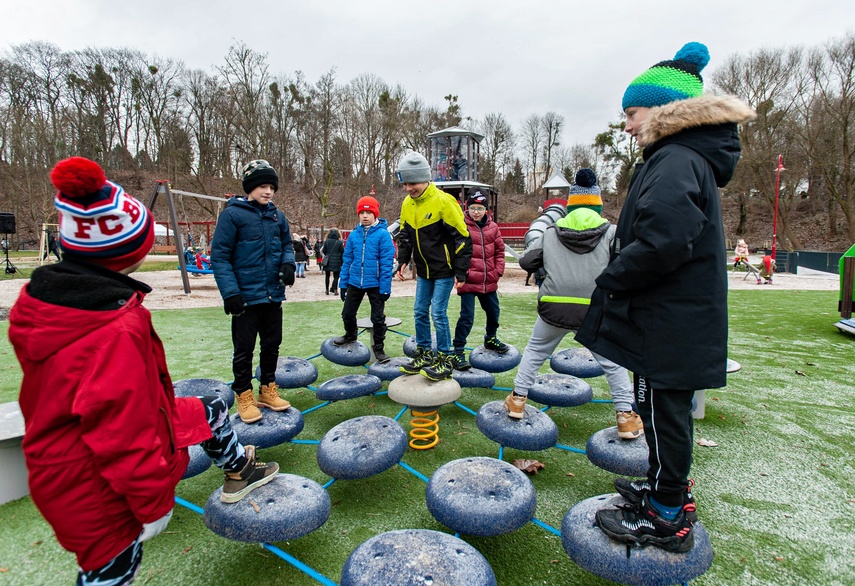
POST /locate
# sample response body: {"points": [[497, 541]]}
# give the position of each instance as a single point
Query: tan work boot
{"points": [[515, 405], [629, 425], [246, 408], [269, 397], [254, 474]]}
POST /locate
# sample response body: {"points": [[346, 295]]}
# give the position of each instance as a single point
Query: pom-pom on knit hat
{"points": [[669, 81], [257, 173], [98, 221], [414, 168], [585, 192]]}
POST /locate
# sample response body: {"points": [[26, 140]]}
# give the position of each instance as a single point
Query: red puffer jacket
{"points": [[106, 439], [488, 257]]}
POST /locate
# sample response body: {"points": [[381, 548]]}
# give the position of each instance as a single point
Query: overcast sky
{"points": [[523, 57]]}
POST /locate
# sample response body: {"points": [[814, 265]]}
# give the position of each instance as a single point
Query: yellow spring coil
{"points": [[425, 432]]}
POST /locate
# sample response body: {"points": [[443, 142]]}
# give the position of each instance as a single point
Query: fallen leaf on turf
{"points": [[800, 373], [706, 443], [779, 559], [186, 549], [570, 474], [4, 569], [528, 466], [810, 363], [254, 506]]}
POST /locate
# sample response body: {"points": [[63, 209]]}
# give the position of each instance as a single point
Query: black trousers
{"points": [[334, 280], [489, 303], [668, 429], [263, 321], [378, 312]]}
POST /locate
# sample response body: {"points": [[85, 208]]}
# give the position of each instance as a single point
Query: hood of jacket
{"points": [[706, 124], [581, 230]]}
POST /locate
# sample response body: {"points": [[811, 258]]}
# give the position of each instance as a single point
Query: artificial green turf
{"points": [[776, 495]]}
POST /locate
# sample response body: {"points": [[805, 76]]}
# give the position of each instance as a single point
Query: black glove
{"points": [[286, 273], [233, 305], [384, 297], [461, 277], [342, 293]]}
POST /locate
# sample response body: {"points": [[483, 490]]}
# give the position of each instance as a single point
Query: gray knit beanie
{"points": [[414, 168]]}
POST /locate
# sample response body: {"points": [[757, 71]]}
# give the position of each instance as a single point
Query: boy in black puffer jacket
{"points": [[253, 261]]}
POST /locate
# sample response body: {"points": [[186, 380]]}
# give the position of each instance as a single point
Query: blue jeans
{"points": [[301, 269], [432, 303], [489, 303]]}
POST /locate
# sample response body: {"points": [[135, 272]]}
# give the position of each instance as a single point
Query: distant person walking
{"points": [[51, 246], [333, 250]]}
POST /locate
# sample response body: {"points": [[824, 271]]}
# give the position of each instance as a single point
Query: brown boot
{"points": [[246, 408], [254, 474], [515, 405], [269, 397]]}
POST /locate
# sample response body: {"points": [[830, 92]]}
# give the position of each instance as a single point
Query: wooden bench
{"points": [[13, 479], [163, 249]]}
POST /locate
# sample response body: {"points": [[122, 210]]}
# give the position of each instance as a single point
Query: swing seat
{"points": [[198, 271]]}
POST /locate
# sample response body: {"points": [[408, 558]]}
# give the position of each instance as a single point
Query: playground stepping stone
{"points": [[600, 555], [349, 387], [481, 496], [202, 387], [388, 370], [618, 456], [410, 345], [410, 557], [417, 391], [361, 447], [560, 390], [352, 354], [474, 378], [293, 372], [536, 431], [491, 361], [199, 462], [576, 362], [289, 507], [275, 428]]}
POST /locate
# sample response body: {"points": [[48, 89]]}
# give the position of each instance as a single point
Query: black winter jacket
{"points": [[660, 307]]}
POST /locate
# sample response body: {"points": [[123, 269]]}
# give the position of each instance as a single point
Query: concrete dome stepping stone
{"points": [[199, 462], [474, 378], [576, 362], [481, 496], [289, 507], [352, 354], [536, 431], [416, 557], [293, 372], [618, 456], [410, 345], [417, 391], [348, 387], [361, 447], [595, 552], [388, 370], [491, 361], [560, 390], [275, 428], [201, 387]]}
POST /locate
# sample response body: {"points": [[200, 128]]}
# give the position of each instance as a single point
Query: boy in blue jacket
{"points": [[253, 261], [367, 270]]}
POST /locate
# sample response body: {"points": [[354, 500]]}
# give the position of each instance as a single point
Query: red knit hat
{"points": [[368, 204], [98, 221]]}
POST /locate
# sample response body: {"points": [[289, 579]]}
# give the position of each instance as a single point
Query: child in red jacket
{"points": [[106, 439], [482, 281]]}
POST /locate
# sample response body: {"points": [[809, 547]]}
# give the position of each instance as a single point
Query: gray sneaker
{"points": [[253, 475]]}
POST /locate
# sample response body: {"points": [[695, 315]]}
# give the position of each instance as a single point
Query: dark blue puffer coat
{"points": [[368, 258], [248, 247]]}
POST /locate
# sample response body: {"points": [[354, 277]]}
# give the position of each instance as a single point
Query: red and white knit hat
{"points": [[98, 221]]}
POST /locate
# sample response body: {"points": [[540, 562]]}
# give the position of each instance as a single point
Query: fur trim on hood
{"points": [[705, 110]]}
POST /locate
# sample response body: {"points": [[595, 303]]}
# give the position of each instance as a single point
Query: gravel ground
{"points": [[168, 291]]}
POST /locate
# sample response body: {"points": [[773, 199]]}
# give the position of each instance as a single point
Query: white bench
{"points": [[13, 478]]}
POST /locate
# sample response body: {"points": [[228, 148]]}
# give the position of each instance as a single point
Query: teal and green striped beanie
{"points": [[669, 81]]}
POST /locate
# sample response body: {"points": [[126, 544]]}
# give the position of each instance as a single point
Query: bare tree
{"points": [[532, 139], [552, 124], [496, 148]]}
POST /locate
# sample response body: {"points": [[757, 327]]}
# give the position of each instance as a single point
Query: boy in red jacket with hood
{"points": [[106, 439]]}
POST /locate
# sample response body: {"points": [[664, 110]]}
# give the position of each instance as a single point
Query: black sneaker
{"points": [[347, 338], [458, 361], [642, 525], [253, 475], [493, 343], [633, 490], [439, 369], [381, 356], [423, 357]]}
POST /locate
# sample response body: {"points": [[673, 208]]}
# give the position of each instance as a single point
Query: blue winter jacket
{"points": [[248, 247], [368, 259]]}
